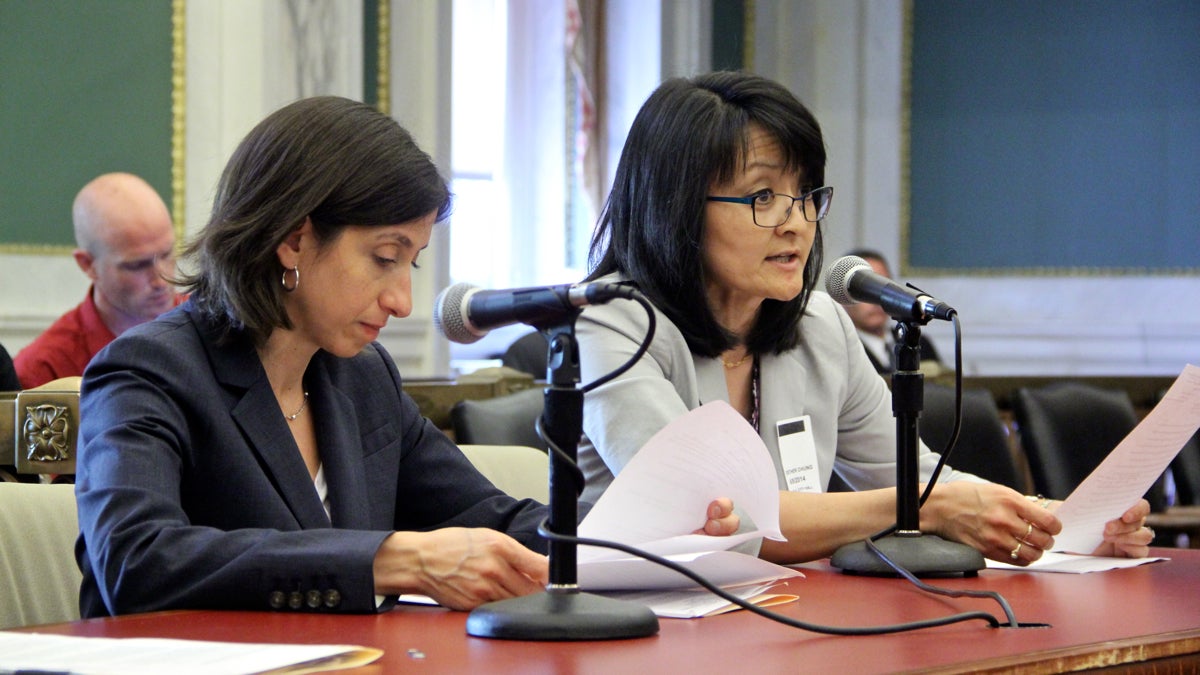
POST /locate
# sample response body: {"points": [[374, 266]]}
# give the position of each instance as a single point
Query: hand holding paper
{"points": [[1121, 480], [1132, 467], [662, 493]]}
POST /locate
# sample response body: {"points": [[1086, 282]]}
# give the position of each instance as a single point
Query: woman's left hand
{"points": [[1128, 536], [996, 520], [720, 520]]}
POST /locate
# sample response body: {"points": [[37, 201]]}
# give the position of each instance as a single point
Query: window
{"points": [[519, 219]]}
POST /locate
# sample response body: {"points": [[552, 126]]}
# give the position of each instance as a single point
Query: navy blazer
{"points": [[193, 494]]}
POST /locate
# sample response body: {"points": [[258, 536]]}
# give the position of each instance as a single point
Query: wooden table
{"points": [[1140, 618]]}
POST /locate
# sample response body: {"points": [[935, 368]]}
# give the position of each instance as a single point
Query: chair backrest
{"points": [[38, 573], [521, 471], [504, 420], [1185, 470], [529, 354], [1068, 428], [983, 446]]}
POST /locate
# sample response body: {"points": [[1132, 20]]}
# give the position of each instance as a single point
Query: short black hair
{"points": [[689, 134], [334, 160]]}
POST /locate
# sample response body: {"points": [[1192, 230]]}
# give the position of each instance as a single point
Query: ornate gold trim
{"points": [[748, 33], [383, 81], [905, 136], [45, 433], [178, 117]]}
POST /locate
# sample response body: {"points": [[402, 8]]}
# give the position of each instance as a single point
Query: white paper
{"points": [[133, 656], [1072, 563], [694, 603], [661, 497], [721, 568], [665, 489], [1132, 467]]}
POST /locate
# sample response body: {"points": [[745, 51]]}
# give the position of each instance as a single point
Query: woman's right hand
{"points": [[458, 567]]}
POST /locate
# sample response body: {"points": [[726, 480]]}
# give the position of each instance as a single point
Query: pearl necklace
{"points": [[293, 416]]}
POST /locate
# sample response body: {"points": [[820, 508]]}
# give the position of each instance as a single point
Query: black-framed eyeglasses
{"points": [[771, 209]]}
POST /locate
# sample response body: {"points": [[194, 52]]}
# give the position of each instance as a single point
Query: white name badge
{"points": [[798, 454]]}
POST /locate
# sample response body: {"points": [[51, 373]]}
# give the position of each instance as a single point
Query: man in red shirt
{"points": [[126, 246]]}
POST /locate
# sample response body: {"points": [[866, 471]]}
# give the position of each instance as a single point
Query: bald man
{"points": [[126, 246]]}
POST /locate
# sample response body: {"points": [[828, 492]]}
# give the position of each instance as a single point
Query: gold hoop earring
{"points": [[283, 280]]}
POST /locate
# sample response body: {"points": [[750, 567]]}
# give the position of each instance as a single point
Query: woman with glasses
{"points": [[715, 215]]}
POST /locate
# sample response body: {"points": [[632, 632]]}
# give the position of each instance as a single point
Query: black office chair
{"points": [[1185, 470], [983, 443], [504, 420], [1068, 428], [528, 354]]}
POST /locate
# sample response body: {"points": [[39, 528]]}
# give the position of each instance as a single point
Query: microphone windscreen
{"points": [[837, 280], [449, 314]]}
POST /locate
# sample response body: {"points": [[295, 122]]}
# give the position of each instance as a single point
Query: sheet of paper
{"points": [[1132, 467], [665, 489], [694, 603], [33, 652], [661, 496], [721, 568], [1073, 563]]}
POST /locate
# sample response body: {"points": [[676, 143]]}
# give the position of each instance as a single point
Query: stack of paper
{"points": [[660, 498], [37, 653]]}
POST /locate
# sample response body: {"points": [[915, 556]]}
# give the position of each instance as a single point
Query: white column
{"points": [[420, 100]]}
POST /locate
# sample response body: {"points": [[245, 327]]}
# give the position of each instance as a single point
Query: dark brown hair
{"points": [[335, 160]]}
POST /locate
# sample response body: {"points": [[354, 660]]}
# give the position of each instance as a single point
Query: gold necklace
{"points": [[737, 363], [293, 416]]}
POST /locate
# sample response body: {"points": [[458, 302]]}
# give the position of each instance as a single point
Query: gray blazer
{"points": [[827, 377], [192, 493]]}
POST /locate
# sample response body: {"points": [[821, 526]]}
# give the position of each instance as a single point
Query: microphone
{"points": [[852, 280], [465, 313]]}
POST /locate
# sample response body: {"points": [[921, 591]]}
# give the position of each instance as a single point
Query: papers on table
{"points": [[667, 486], [1121, 479], [721, 568], [34, 652], [1073, 563], [661, 496], [696, 603]]}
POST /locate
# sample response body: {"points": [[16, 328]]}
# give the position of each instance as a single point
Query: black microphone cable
{"points": [[652, 324], [578, 479], [992, 621]]}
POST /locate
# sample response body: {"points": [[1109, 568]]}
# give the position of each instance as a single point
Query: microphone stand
{"points": [[919, 553], [562, 611]]}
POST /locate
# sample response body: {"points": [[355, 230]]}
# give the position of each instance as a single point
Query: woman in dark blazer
{"points": [[253, 448]]}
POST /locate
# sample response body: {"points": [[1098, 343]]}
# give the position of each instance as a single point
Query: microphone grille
{"points": [[448, 314], [838, 278]]}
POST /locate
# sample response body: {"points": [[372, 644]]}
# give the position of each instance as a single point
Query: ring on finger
{"points": [[1028, 530], [1016, 552]]}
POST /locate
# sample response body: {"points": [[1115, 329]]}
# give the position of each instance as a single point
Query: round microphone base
{"points": [[562, 615], [925, 555]]}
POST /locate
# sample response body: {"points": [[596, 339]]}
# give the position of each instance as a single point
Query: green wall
{"points": [[1055, 135], [85, 88]]}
